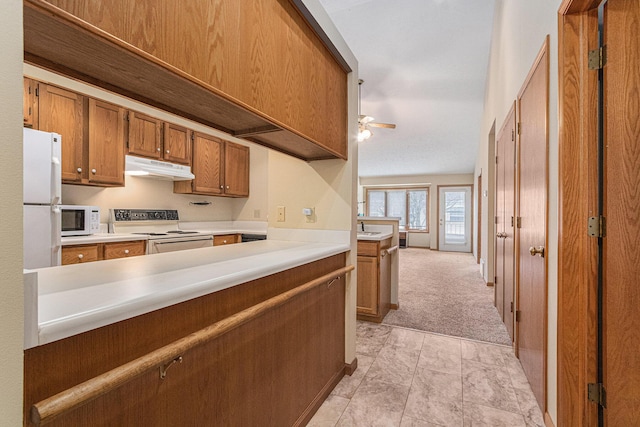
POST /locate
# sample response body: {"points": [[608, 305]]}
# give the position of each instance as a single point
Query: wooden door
{"points": [[621, 260], [498, 279], [145, 135], [106, 143], [505, 221], [532, 213], [236, 169], [177, 144], [62, 111], [207, 164], [509, 237]]}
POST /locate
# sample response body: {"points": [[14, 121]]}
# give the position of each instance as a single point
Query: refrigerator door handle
{"points": [[56, 191], [56, 235]]}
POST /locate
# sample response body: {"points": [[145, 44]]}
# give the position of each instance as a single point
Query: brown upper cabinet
{"points": [[29, 104], [221, 168], [255, 69], [153, 138], [92, 134]]}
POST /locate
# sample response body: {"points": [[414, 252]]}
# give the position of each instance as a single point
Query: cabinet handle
{"points": [[227, 187], [79, 170], [126, 251], [80, 256], [168, 152], [158, 149], [93, 171], [222, 187], [224, 241]]}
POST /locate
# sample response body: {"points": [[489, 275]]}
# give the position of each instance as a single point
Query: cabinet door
{"points": [[124, 249], [367, 300], [106, 143], [207, 164], [62, 111], [236, 170], [177, 144], [29, 104], [79, 254], [145, 134]]}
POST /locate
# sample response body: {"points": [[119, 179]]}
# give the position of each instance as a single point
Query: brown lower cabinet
{"points": [[274, 370], [226, 239], [77, 254], [374, 280]]}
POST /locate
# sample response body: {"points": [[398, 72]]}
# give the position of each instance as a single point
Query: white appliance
{"points": [[42, 194], [161, 229], [139, 166], [80, 220]]}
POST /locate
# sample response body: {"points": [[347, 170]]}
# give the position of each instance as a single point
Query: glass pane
{"points": [[376, 203], [454, 217], [417, 209], [397, 205]]}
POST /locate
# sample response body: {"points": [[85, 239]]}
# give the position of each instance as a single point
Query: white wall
{"points": [[11, 296], [519, 31], [141, 193], [427, 240]]}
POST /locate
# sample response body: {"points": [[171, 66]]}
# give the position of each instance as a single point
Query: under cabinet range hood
{"points": [[139, 166]]}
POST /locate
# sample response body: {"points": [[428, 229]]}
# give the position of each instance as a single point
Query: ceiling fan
{"points": [[365, 122]]}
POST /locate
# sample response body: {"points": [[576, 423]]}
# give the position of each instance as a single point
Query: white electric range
{"points": [[160, 227]]}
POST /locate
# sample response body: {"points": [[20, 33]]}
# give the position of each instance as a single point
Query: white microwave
{"points": [[79, 220]]}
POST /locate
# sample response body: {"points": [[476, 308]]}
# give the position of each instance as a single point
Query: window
{"points": [[409, 204]]}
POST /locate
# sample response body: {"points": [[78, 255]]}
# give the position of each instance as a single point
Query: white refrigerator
{"points": [[42, 197]]}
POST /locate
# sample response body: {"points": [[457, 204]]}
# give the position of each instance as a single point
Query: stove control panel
{"points": [[119, 215]]}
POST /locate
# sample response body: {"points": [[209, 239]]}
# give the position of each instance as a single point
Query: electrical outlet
{"points": [[280, 213]]}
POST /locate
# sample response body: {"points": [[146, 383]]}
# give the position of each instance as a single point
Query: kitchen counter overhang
{"points": [[69, 300]]}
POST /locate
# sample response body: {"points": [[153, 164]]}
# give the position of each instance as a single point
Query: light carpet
{"points": [[443, 292]]}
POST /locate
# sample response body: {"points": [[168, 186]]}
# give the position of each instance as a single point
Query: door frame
{"points": [[577, 253], [471, 186]]}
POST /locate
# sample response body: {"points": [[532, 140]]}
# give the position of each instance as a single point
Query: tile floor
{"points": [[410, 378]]}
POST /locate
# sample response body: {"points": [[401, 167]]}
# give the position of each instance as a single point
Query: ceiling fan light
{"points": [[364, 134]]}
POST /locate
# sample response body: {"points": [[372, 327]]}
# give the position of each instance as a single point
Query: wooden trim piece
{"points": [[548, 422], [394, 306], [350, 368], [67, 400]]}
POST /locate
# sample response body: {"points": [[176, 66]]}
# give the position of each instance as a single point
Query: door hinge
{"points": [[192, 136], [511, 306], [512, 221], [513, 135], [496, 160], [597, 226], [597, 394], [495, 280], [127, 116], [518, 128], [518, 315], [519, 222], [598, 58], [495, 219], [37, 91]]}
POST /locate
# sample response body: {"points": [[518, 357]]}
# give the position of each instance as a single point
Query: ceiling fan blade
{"points": [[382, 125], [365, 119]]}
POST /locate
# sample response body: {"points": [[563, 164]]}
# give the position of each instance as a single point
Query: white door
{"points": [[455, 219]]}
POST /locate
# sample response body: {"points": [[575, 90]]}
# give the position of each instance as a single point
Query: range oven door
{"points": [[171, 245]]}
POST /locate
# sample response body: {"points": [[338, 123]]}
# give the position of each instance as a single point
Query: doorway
{"points": [[454, 212]]}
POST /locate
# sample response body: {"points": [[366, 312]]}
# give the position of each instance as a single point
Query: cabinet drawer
{"points": [[79, 254], [226, 239], [124, 249], [368, 248]]}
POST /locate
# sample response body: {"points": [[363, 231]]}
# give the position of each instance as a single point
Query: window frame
{"points": [[406, 189]]}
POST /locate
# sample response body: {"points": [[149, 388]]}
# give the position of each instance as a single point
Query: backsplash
{"points": [[145, 193]]}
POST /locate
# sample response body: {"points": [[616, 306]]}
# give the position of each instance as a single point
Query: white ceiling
{"points": [[424, 65]]}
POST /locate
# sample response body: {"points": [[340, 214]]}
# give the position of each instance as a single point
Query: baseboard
{"points": [[350, 368], [317, 402], [489, 283], [548, 421], [394, 306]]}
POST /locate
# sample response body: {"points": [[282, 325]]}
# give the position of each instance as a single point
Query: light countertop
{"points": [[77, 298], [374, 232], [101, 238]]}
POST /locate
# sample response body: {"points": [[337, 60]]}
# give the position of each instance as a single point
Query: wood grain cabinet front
{"points": [[124, 249], [30, 103], [221, 168], [374, 280], [78, 254], [226, 239]]}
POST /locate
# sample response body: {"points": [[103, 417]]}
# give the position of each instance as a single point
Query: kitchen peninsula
{"points": [[127, 309]]}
